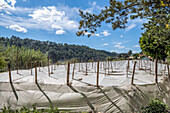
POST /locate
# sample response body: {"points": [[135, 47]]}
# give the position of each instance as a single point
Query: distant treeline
{"points": [[58, 51]]}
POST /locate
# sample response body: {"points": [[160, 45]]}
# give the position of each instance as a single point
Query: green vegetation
{"points": [[33, 110], [155, 106], [136, 55], [59, 51], [20, 57]]}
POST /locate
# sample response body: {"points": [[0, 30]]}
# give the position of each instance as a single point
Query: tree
{"points": [[154, 40], [109, 58], [129, 53], [119, 12]]}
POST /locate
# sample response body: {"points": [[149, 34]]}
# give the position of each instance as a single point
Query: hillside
{"points": [[59, 51]]}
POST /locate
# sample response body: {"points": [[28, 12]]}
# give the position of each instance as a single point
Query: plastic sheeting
{"points": [[115, 93]]}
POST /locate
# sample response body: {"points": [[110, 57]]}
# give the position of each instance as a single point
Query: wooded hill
{"points": [[58, 51]]}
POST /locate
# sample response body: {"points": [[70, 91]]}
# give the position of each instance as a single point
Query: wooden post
{"points": [[17, 60], [48, 67], [35, 72], [111, 66], [126, 71], [150, 68], [168, 70], [73, 69], [79, 66], [128, 65], [9, 69], [156, 71], [97, 73], [51, 66], [133, 73], [92, 63], [95, 67], [108, 67], [145, 66], [139, 64], [86, 68], [68, 72], [31, 65], [164, 68], [81, 63]]}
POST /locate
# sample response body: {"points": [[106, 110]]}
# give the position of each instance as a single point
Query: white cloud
{"points": [[94, 3], [55, 18], [121, 36], [105, 44], [130, 27], [136, 46], [18, 28], [105, 33], [49, 18], [86, 33], [135, 51], [97, 34], [117, 51], [56, 27], [102, 39], [127, 48], [94, 8], [59, 32], [119, 43], [6, 5], [120, 47]]}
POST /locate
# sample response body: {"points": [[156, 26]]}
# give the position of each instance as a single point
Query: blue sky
{"points": [[57, 21]]}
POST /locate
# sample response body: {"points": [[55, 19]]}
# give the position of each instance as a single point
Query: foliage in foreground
{"points": [[155, 106], [34, 110], [20, 57]]}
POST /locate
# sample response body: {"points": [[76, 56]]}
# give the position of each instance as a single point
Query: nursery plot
{"points": [[114, 94]]}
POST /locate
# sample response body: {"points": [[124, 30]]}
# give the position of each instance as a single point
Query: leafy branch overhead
{"points": [[118, 13]]}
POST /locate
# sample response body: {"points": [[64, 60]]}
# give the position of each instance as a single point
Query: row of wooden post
{"points": [[68, 72]]}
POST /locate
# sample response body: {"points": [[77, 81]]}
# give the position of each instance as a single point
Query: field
{"points": [[114, 91]]}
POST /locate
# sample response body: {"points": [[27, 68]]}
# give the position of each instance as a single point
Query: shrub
{"points": [[155, 106]]}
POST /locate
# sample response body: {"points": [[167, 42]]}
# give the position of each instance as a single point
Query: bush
{"points": [[34, 110], [155, 106]]}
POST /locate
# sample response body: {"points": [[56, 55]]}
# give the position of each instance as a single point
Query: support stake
{"points": [[35, 72], [133, 73], [98, 73], [9, 69], [68, 72]]}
